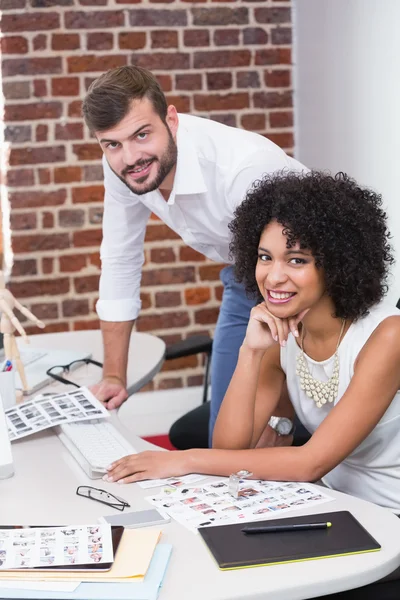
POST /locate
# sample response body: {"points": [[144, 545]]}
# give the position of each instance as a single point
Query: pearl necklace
{"points": [[321, 392]]}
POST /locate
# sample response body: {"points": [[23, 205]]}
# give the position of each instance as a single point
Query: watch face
{"points": [[284, 426]]}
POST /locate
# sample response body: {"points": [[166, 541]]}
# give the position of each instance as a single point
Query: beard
{"points": [[167, 161]]}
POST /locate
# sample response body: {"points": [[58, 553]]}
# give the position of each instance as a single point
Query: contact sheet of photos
{"points": [[212, 504], [47, 411], [27, 548]]}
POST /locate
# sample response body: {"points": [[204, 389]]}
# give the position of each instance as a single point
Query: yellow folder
{"points": [[131, 562]]}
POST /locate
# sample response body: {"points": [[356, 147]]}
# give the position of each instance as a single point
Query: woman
{"points": [[315, 248]]}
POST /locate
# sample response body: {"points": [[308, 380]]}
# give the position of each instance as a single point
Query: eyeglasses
{"points": [[86, 491], [58, 370]]}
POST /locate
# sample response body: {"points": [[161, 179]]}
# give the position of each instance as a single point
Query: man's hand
{"points": [[148, 465], [110, 391]]}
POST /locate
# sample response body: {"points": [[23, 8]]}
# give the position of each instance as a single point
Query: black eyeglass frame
{"points": [[121, 504], [67, 368]]}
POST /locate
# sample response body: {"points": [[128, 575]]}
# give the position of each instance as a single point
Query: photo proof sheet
{"points": [[27, 548], [212, 504], [47, 411]]}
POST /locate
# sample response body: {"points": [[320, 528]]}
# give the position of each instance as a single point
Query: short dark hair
{"points": [[340, 222], [110, 96]]}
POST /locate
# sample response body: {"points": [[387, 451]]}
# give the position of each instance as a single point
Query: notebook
{"points": [[233, 549]]}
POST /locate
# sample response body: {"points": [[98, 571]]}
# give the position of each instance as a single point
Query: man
{"points": [[192, 173]]}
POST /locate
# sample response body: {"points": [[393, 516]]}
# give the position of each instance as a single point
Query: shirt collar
{"points": [[188, 176]]}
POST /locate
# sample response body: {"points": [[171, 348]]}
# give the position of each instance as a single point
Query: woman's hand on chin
{"points": [[264, 329], [148, 465]]}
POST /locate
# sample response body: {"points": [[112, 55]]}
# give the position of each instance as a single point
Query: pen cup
{"points": [[7, 389]]}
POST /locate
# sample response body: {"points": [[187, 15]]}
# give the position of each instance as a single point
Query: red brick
{"points": [[218, 292], [177, 364], [181, 103], [24, 267], [91, 62], [33, 111], [39, 287], [85, 325], [195, 380], [87, 151], [88, 283], [222, 58], [31, 21], [160, 232], [100, 40], [281, 36], [164, 39], [69, 131], [277, 78], [21, 221], [210, 272], [20, 177], [132, 40], [224, 118], [187, 254], [40, 42], [273, 15], [37, 198], [170, 382], [165, 82], [248, 79], [31, 66], [45, 310], [162, 255], [163, 321], [39, 242], [220, 16], [42, 133], [206, 102], [47, 220], [67, 174], [166, 61], [44, 176], [93, 2], [176, 275], [273, 56], [16, 90], [145, 300], [226, 37], [93, 20], [219, 80], [71, 218], [94, 259], [255, 35], [148, 17], [50, 328], [168, 299], [93, 172], [65, 41], [96, 215], [71, 263], [75, 308], [254, 122], [198, 295], [65, 86], [196, 37], [18, 134], [281, 119], [88, 237], [12, 4], [75, 109], [14, 44], [93, 193], [206, 316], [284, 140], [35, 156], [188, 81], [272, 99], [40, 88]]}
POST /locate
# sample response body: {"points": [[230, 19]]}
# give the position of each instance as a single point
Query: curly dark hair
{"points": [[341, 223]]}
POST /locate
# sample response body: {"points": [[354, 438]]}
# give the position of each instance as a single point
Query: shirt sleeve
{"points": [[254, 169], [122, 255]]}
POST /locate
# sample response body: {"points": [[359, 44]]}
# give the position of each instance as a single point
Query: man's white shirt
{"points": [[216, 166]]}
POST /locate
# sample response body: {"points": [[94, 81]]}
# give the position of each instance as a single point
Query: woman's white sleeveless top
{"points": [[372, 470]]}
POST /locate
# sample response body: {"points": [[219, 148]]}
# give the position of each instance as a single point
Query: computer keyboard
{"points": [[94, 445]]}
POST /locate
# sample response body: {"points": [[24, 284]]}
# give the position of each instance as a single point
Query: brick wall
{"points": [[227, 60]]}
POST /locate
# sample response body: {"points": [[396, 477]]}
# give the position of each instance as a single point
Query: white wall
{"points": [[347, 96]]}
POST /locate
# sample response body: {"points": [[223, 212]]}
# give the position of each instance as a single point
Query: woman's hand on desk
{"points": [[111, 392], [148, 465]]}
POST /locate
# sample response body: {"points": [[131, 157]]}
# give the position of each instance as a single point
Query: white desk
{"points": [[146, 355], [43, 492]]}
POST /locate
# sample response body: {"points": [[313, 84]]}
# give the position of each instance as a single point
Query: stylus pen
{"points": [[280, 528]]}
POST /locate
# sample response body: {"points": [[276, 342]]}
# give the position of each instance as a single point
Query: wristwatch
{"points": [[282, 425]]}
